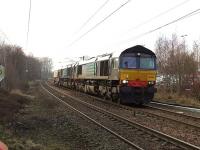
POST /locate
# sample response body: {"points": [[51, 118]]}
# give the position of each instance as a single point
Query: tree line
{"points": [[178, 65], [21, 68]]}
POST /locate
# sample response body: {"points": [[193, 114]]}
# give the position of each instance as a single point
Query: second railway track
{"points": [[176, 111], [152, 111], [144, 137]]}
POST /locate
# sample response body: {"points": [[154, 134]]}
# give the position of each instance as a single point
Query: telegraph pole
{"points": [[28, 28]]}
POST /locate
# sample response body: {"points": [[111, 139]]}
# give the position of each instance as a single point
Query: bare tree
{"points": [[175, 63], [196, 50], [33, 68], [46, 70], [19, 67]]}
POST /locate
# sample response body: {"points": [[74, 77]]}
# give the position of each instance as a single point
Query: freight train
{"points": [[127, 77]]}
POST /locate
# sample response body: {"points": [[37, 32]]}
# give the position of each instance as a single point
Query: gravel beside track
{"points": [[177, 115], [184, 111], [97, 137], [92, 135], [132, 132], [142, 115]]}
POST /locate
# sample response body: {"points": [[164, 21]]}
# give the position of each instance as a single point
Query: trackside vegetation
{"points": [[178, 71], [21, 68]]}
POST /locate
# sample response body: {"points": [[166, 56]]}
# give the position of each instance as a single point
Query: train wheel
{"points": [[108, 94], [113, 94], [114, 97]]}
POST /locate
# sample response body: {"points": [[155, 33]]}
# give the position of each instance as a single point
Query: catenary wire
{"points": [[93, 15], [195, 12], [157, 16], [96, 25]]}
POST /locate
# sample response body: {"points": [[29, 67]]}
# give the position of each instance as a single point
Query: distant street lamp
{"points": [[183, 36]]}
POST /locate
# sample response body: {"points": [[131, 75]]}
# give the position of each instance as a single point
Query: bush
{"points": [[195, 90]]}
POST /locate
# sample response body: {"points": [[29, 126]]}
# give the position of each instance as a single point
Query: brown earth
{"points": [[10, 104], [36, 121], [28, 123]]}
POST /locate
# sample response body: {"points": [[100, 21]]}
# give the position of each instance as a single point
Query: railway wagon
{"points": [[125, 77], [56, 76]]}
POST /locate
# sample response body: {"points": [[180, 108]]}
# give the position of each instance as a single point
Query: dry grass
{"points": [[19, 92], [176, 99], [10, 104]]}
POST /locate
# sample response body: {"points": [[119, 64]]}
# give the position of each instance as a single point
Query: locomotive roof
{"points": [[134, 49], [82, 62], [106, 57], [93, 59], [138, 49]]}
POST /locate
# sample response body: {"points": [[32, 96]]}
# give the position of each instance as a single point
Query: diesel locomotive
{"points": [[127, 77]]}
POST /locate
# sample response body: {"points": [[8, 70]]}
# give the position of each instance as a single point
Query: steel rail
{"points": [[158, 134], [173, 112], [150, 113], [92, 120], [145, 111], [191, 109]]}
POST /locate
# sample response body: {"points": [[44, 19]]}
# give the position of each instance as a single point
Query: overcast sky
{"points": [[55, 25]]}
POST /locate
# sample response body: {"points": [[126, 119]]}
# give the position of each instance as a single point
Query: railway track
{"points": [[176, 106], [181, 117], [153, 111], [123, 128], [193, 113], [153, 118]]}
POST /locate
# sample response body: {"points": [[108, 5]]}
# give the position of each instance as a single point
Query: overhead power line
{"points": [[96, 25], [195, 12], [93, 15], [157, 16], [29, 18]]}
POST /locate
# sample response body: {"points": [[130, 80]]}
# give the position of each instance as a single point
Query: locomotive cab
{"points": [[137, 74]]}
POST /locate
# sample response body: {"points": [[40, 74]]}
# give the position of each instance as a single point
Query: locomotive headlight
{"points": [[124, 81], [151, 82]]}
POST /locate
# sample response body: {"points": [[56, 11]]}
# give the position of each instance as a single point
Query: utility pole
{"points": [[28, 28]]}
